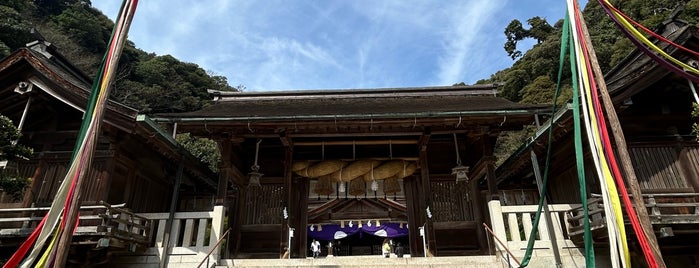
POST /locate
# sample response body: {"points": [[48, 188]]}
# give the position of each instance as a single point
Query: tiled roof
{"points": [[343, 103]]}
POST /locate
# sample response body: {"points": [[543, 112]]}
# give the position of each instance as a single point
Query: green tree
{"points": [[145, 81], [9, 135], [540, 29], [515, 80], [83, 26], [514, 33], [541, 90], [14, 30], [205, 150], [11, 150]]}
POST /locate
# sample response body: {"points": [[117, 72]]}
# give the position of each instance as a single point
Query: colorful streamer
{"points": [[619, 252], [651, 50], [589, 250], [67, 196], [642, 43], [616, 173], [587, 106]]}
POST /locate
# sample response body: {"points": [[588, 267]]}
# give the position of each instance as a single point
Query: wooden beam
{"points": [[352, 142], [623, 152]]}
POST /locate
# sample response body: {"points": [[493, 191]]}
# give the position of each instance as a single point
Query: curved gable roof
{"points": [[358, 103]]}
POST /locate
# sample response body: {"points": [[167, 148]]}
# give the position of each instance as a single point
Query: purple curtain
{"points": [[335, 232]]}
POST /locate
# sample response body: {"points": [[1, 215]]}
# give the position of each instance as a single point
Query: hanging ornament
{"points": [[341, 188], [374, 186], [312, 229]]}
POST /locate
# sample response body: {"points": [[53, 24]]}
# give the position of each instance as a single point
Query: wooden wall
{"points": [[665, 167]]}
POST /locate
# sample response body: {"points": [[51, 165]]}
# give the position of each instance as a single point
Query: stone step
{"points": [[368, 262]]}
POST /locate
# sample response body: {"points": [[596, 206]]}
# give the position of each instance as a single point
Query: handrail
{"points": [[659, 195], [206, 258], [502, 244], [47, 208]]}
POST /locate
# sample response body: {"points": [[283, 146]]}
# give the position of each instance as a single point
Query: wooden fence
{"points": [[192, 236], [514, 224], [131, 236]]}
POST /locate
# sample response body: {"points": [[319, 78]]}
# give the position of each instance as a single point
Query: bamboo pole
{"points": [[631, 180]]}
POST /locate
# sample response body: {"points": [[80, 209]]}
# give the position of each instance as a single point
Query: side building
{"points": [[654, 107], [137, 168]]}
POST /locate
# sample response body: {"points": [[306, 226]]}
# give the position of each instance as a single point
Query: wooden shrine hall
{"points": [[399, 157]]}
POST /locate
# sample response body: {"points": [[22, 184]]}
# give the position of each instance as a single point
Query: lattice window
{"points": [[264, 204], [450, 202]]}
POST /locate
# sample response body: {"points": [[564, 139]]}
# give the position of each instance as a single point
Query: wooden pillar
{"points": [[489, 161], [300, 193], [238, 219], [224, 166], [411, 186], [288, 222], [427, 201], [31, 196], [478, 215]]}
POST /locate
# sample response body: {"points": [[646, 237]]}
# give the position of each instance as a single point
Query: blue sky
{"points": [[332, 44]]}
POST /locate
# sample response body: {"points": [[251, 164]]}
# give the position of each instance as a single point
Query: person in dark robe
{"points": [[399, 250]]}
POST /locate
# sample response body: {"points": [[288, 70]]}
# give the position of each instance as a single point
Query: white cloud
{"points": [[281, 44], [467, 27]]}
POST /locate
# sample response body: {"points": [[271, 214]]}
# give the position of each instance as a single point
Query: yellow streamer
{"points": [[609, 180], [617, 235], [648, 43], [44, 257]]}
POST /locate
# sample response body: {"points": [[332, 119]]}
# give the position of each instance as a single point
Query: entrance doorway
{"points": [[350, 240], [359, 244]]}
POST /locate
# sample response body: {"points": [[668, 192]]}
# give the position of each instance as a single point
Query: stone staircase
{"points": [[368, 262]]}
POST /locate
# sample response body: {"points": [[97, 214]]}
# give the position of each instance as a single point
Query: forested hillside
{"points": [[145, 81], [532, 78]]}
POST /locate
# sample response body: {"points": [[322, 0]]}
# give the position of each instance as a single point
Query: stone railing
{"points": [[192, 236], [513, 226]]}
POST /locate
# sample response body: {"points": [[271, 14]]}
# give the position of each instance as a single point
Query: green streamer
{"points": [[587, 235], [589, 251]]}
